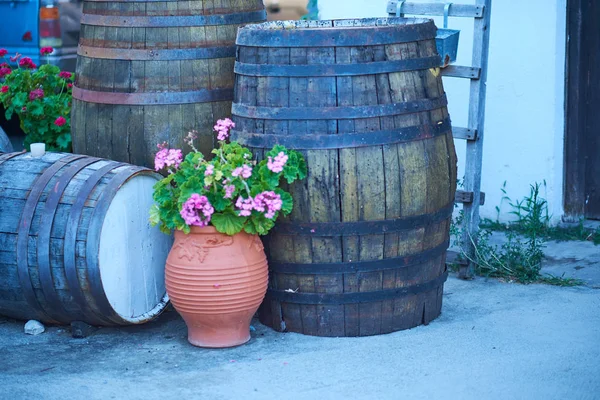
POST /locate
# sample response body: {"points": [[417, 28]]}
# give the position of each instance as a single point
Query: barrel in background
{"points": [[148, 72], [363, 252], [75, 241]]}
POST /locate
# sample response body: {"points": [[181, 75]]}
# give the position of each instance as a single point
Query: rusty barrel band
{"points": [[152, 98], [156, 54], [347, 112], [70, 244], [354, 297], [359, 266], [337, 36], [31, 203], [93, 240], [56, 308], [343, 140], [174, 20], [322, 70], [7, 156], [321, 229]]}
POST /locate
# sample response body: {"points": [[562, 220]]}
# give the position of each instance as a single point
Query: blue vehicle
{"points": [[28, 25]]}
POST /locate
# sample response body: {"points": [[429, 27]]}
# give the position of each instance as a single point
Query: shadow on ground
{"points": [[493, 341]]}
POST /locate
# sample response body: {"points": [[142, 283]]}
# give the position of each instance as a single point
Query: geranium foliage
{"points": [[40, 97], [231, 192]]}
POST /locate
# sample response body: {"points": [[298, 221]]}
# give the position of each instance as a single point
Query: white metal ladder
{"points": [[471, 197]]}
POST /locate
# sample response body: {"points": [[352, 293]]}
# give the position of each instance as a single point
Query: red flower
{"points": [[4, 65], [3, 52], [60, 121], [27, 62], [15, 58], [27, 36], [69, 85], [65, 74], [46, 50], [4, 89], [24, 109], [4, 71], [36, 94]]}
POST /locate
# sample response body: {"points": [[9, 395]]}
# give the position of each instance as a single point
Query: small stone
{"points": [[80, 330], [34, 327]]}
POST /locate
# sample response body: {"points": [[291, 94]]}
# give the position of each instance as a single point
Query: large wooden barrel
{"points": [[75, 241], [149, 72], [363, 252]]}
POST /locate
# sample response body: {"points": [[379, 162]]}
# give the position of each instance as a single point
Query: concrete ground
{"points": [[493, 340]]}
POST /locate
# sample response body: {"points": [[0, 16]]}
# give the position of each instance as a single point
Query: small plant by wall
{"points": [[520, 257]]}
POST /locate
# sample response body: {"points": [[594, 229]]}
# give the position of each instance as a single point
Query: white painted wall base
{"points": [[524, 128]]}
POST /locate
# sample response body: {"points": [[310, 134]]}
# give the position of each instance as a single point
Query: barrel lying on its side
{"points": [[363, 251], [75, 241]]}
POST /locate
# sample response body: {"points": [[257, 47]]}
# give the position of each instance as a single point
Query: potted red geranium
{"points": [[216, 272], [40, 97]]}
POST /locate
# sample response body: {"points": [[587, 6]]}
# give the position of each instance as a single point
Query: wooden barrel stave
{"points": [[50, 239], [172, 79], [346, 185]]}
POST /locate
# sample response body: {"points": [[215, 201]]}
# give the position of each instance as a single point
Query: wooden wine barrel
{"points": [[363, 252], [149, 72], [75, 241]]}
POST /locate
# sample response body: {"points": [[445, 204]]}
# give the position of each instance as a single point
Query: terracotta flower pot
{"points": [[216, 282]]}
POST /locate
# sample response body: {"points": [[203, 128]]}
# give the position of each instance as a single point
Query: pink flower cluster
{"points": [[46, 50], [229, 189], [60, 121], [27, 63], [167, 157], [209, 170], [3, 52], [197, 210], [65, 74], [4, 71], [4, 89], [266, 202], [245, 171], [223, 127], [36, 94], [276, 165], [245, 206]]}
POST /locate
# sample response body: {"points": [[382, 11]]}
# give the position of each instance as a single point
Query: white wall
{"points": [[524, 127]]}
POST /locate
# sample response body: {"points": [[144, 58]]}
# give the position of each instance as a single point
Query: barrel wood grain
{"points": [[159, 58], [355, 278]]}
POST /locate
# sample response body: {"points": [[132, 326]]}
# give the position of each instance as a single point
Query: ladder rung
{"points": [[464, 133], [467, 197], [457, 10], [460, 71]]}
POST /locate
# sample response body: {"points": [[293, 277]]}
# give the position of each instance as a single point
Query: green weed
{"points": [[519, 259]]}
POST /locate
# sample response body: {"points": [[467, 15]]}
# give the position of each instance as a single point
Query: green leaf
{"points": [[154, 215], [64, 140], [228, 223], [189, 187], [290, 173], [218, 202], [269, 178], [263, 225], [250, 229], [287, 201]]}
